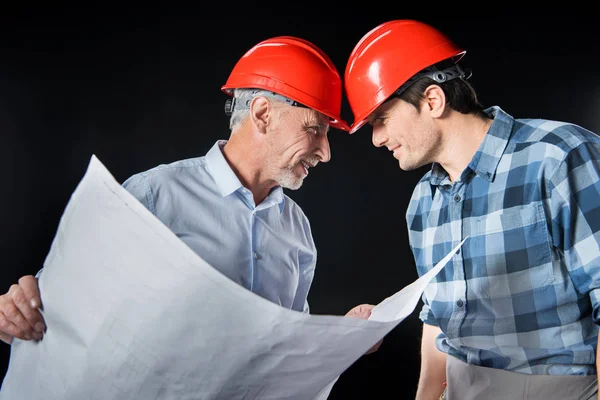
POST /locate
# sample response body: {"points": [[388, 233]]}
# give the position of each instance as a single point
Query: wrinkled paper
{"points": [[133, 313]]}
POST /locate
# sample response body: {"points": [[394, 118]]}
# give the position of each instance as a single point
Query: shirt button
{"points": [[457, 197], [459, 303], [255, 255], [458, 251]]}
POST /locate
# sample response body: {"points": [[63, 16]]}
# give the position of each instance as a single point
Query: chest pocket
{"points": [[516, 252]]}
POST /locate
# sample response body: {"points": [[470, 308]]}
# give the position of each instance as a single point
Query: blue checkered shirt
{"points": [[523, 293]]}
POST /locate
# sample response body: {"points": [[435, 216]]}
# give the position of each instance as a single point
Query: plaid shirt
{"points": [[523, 293]]}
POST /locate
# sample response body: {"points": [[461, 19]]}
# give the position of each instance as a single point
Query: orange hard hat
{"points": [[294, 68], [386, 58]]}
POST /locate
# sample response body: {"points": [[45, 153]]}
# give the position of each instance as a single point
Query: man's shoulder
{"points": [[421, 197], [423, 185], [293, 206], [562, 135], [164, 172]]}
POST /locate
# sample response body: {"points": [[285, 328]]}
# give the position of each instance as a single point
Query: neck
{"points": [[244, 156], [463, 135]]}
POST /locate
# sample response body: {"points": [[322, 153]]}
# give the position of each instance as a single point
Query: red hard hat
{"points": [[388, 56], [294, 68]]}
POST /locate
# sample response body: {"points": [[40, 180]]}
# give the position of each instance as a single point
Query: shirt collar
{"points": [[224, 177], [227, 181], [277, 197], [486, 159]]}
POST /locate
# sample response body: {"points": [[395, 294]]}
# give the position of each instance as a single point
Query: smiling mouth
{"points": [[395, 151], [306, 166]]}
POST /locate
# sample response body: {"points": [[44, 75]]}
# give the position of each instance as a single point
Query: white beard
{"points": [[288, 179]]}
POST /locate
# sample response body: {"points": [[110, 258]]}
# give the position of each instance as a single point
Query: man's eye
{"points": [[312, 130], [377, 121]]}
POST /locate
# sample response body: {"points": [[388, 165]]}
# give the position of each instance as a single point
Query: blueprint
{"points": [[133, 313]]}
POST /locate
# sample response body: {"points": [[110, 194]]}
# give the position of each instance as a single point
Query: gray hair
{"points": [[242, 99]]}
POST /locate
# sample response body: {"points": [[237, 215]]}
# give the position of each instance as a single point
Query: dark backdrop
{"points": [[143, 88]]}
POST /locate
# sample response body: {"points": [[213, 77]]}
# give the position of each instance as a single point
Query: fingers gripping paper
{"points": [[133, 313]]}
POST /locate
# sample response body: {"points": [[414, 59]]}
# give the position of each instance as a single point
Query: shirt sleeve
{"points": [[139, 187], [306, 274], [413, 216], [574, 191], [426, 315]]}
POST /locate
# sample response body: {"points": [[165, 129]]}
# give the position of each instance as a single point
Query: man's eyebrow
{"points": [[319, 125], [374, 115], [323, 126]]}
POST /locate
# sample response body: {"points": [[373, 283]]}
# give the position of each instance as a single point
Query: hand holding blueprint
{"points": [[133, 313]]}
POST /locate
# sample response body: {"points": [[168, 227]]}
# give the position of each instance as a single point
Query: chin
{"points": [[291, 182], [409, 166], [294, 186]]}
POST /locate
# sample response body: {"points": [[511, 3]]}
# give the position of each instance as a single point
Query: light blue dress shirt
{"points": [[267, 248]]}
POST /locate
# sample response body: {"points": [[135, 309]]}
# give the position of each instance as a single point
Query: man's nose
{"points": [[379, 138]]}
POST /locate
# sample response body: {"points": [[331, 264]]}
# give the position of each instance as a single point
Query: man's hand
{"points": [[19, 311], [363, 311]]}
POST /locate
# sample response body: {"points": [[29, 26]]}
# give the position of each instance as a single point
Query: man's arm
{"points": [[574, 190], [433, 366]]}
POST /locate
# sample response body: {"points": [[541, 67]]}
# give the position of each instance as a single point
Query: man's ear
{"points": [[260, 112], [435, 101]]}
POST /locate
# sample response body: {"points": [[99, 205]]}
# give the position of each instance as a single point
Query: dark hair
{"points": [[460, 95]]}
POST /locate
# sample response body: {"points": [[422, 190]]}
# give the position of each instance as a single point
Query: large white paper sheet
{"points": [[133, 313]]}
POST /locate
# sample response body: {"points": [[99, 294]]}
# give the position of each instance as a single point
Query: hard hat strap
{"points": [[438, 75], [233, 103]]}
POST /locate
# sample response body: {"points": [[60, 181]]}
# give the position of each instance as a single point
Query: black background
{"points": [[141, 87]]}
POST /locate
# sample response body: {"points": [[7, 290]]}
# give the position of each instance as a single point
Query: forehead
{"points": [[384, 107], [310, 116], [315, 115], [321, 120]]}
